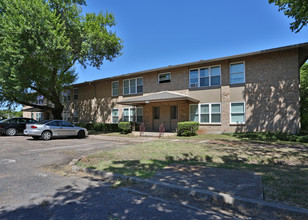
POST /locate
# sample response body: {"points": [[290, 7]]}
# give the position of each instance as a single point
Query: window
{"points": [[156, 112], [115, 88], [75, 94], [39, 116], [139, 115], [65, 124], [202, 77], [40, 100], [237, 73], [205, 113], [126, 114], [164, 78], [132, 86], [66, 116], [237, 113], [53, 123], [115, 116], [75, 116], [66, 96], [173, 112], [32, 115], [193, 113]]}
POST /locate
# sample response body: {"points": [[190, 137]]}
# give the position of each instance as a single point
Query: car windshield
{"points": [[43, 122], [5, 120]]}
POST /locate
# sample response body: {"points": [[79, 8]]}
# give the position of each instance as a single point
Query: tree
{"points": [[304, 95], [296, 9], [42, 40]]}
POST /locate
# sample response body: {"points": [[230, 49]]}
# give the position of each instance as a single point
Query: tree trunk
{"points": [[57, 112]]}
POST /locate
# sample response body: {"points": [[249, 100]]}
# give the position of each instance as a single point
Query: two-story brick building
{"points": [[257, 91]]}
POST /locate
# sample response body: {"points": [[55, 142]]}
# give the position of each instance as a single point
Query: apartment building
{"points": [[256, 91]]}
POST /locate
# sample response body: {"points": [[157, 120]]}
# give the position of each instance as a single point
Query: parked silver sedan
{"points": [[54, 128]]}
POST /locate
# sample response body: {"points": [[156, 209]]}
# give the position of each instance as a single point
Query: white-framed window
{"points": [[66, 96], [205, 76], [115, 115], [76, 116], [237, 72], [133, 86], [237, 112], [39, 116], [129, 114], [205, 113], [40, 100], [66, 116], [115, 88], [75, 94], [164, 78]]}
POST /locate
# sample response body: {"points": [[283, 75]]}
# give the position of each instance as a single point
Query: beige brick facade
{"points": [[270, 93]]}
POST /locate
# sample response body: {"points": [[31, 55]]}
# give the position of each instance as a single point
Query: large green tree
{"points": [[42, 40], [304, 95], [296, 9]]}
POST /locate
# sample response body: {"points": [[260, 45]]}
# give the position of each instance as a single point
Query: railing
{"points": [[161, 129], [142, 129]]}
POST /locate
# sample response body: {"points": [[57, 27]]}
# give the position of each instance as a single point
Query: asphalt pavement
{"points": [[32, 187]]}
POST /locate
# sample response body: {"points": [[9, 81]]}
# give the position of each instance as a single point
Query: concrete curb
{"points": [[247, 206]]}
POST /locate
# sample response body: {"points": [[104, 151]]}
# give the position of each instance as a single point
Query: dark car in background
{"points": [[12, 126]]}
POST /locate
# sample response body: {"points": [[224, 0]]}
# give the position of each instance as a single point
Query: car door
{"points": [[67, 129], [21, 124], [55, 128]]}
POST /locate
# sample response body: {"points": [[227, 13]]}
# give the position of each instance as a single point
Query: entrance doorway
{"points": [[167, 114]]}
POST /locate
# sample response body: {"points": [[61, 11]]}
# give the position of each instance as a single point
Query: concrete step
{"points": [[154, 134]]}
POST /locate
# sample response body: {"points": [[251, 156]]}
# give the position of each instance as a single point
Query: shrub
{"points": [[187, 128], [125, 127], [100, 127]]}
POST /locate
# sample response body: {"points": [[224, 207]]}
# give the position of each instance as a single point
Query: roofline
{"points": [[158, 100], [289, 47]]}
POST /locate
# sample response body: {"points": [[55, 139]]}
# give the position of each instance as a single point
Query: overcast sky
{"points": [[159, 33]]}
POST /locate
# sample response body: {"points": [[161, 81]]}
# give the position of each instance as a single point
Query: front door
{"points": [[165, 114]]}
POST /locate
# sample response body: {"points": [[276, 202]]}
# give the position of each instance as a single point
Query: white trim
{"points": [[136, 78], [162, 74], [112, 115], [238, 62], [210, 76], [232, 123], [112, 88], [210, 113]]}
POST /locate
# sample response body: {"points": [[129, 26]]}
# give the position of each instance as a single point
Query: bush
{"points": [[100, 127], [273, 136], [187, 128], [125, 127]]}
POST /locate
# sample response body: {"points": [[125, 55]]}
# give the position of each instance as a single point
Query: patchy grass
{"points": [[284, 167]]}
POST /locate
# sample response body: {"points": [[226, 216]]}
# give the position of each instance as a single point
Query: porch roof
{"points": [[32, 110], [158, 97]]}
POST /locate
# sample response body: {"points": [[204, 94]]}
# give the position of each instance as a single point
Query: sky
{"points": [[161, 33]]}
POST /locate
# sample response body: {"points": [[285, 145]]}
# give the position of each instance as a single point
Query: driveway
{"points": [[29, 190]]}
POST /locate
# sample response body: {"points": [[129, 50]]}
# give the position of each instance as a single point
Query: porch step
{"points": [[154, 134]]}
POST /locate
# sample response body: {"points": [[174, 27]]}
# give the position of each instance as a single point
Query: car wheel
{"points": [[81, 134], [11, 132], [36, 137], [46, 135]]}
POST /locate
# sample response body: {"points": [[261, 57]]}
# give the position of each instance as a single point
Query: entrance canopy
{"points": [[32, 110], [158, 97]]}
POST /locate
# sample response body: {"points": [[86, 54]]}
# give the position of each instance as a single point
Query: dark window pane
{"points": [[215, 80], [174, 112], [156, 111], [204, 81]]}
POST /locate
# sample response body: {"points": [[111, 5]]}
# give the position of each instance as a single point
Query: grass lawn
{"points": [[283, 165]]}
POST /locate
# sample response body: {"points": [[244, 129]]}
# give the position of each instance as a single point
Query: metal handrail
{"points": [[161, 129], [142, 129]]}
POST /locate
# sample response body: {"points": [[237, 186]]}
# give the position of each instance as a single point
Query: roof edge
{"points": [[276, 49]]}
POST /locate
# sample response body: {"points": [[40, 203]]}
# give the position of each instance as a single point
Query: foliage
{"points": [[42, 40], [188, 128], [10, 114], [272, 136], [125, 127], [100, 127], [304, 96], [296, 9]]}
